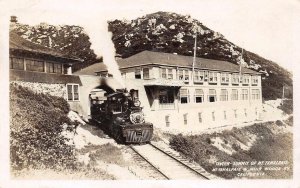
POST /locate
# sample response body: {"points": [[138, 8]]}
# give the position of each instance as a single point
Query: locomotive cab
{"points": [[122, 114]]}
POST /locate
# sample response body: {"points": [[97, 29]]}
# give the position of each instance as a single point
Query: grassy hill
{"points": [[270, 141], [38, 148]]}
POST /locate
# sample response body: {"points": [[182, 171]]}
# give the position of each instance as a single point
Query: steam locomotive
{"points": [[121, 115]]}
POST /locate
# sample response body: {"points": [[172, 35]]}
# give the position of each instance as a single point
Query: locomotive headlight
{"points": [[136, 103], [137, 118]]}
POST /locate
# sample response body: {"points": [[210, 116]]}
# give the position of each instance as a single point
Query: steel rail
{"points": [[150, 163], [190, 168]]}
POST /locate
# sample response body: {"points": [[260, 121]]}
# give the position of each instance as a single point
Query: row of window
{"points": [[212, 95], [199, 76], [213, 116], [35, 65]]}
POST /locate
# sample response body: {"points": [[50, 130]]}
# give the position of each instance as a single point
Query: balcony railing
{"points": [[166, 106]]}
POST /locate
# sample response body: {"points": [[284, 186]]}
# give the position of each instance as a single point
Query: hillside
{"points": [[38, 146], [270, 141], [164, 32], [174, 33], [68, 39]]}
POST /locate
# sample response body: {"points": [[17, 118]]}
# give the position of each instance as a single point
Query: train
{"points": [[120, 114]]}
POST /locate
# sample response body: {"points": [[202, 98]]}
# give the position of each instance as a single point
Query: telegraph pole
{"points": [[194, 59]]}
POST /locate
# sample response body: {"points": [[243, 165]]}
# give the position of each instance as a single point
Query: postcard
{"points": [[174, 91]]}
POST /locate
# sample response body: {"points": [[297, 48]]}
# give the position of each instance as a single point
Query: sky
{"points": [[269, 28]]}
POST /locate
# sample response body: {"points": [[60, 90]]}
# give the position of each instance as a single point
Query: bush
{"points": [[287, 106], [279, 123], [36, 124]]}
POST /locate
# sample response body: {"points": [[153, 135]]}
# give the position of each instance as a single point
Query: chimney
{"points": [[13, 19], [13, 23]]}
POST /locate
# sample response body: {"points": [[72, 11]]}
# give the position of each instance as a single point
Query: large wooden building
{"points": [[43, 69], [216, 93]]}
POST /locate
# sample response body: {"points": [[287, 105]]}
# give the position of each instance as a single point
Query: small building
{"points": [[43, 69], [215, 94]]}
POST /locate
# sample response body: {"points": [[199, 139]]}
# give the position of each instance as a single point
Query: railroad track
{"points": [[169, 164]]}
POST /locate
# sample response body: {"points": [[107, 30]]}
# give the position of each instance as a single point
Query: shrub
{"points": [[236, 147], [287, 106], [36, 124], [279, 123]]}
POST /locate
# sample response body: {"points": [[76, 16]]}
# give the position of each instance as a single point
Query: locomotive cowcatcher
{"points": [[121, 115]]}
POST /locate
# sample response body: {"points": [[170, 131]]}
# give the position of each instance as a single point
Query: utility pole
{"points": [[194, 59], [241, 66]]}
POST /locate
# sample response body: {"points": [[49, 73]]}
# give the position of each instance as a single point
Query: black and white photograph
{"points": [[148, 90]]}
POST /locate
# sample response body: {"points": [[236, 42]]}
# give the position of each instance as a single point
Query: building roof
{"points": [[159, 58], [91, 70], [167, 59], [17, 43]]}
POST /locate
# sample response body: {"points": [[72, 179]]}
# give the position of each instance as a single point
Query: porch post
{"points": [[156, 100]]}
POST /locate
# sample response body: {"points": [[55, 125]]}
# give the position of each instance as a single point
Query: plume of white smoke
{"points": [[103, 45]]}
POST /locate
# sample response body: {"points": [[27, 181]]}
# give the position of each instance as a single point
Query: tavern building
{"points": [[43, 69], [217, 93]]}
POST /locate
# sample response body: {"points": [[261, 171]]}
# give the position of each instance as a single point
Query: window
{"points": [[166, 96], [245, 112], [235, 113], [200, 117], [186, 76], [212, 95], [17, 63], [198, 76], [123, 74], [224, 95], [225, 115], [235, 79], [205, 75], [146, 73], [163, 73], [180, 74], [244, 95], [33, 65], [73, 92], [170, 74], [167, 118], [185, 119], [213, 116], [183, 75], [224, 78], [138, 73], [254, 80], [213, 77], [166, 73], [184, 96], [199, 96], [57, 68], [54, 67], [246, 79], [255, 94], [234, 95]]}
